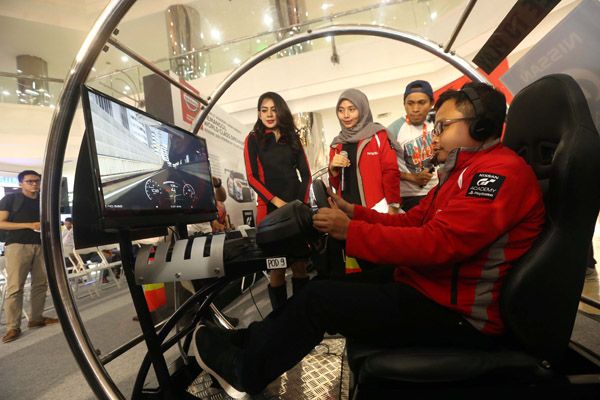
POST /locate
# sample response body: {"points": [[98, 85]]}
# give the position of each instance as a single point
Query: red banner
{"points": [[494, 79], [190, 107]]}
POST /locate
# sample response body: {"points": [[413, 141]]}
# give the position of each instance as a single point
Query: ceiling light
{"points": [[268, 20], [215, 34], [124, 58], [127, 87], [433, 15], [325, 6], [6, 93], [93, 69], [236, 61]]}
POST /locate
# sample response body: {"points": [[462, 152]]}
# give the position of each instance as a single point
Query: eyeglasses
{"points": [[33, 181], [439, 126]]}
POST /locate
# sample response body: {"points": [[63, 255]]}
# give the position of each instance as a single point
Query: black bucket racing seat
{"points": [[550, 126]]}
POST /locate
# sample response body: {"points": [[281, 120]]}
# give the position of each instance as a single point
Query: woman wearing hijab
{"points": [[368, 167], [274, 156]]}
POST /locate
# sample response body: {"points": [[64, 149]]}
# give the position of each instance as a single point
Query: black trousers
{"points": [[367, 307], [410, 201]]}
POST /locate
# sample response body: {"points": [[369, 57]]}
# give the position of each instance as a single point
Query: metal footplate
{"points": [[198, 266]]}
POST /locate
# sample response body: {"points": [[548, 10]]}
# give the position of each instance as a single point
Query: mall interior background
{"points": [[203, 41]]}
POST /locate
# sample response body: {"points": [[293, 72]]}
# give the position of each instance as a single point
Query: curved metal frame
{"points": [[79, 342], [418, 41], [95, 373]]}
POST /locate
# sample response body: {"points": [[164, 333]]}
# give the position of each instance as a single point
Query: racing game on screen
{"points": [[145, 164]]}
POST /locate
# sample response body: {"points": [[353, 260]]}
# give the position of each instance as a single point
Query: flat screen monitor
{"points": [[148, 172]]}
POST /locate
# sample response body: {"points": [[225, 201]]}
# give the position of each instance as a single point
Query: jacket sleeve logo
{"points": [[485, 185]]}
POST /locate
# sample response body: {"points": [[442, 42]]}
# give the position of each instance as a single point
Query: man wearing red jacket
{"points": [[451, 254]]}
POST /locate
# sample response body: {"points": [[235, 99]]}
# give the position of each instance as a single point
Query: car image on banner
{"points": [[238, 188]]}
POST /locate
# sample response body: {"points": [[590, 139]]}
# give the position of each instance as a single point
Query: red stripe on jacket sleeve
{"points": [[254, 170]]}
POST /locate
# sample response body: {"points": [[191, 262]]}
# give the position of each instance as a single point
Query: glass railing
{"points": [[127, 84], [412, 16], [25, 89]]}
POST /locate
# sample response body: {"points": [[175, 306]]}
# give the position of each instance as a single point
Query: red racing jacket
{"points": [[458, 244], [377, 171]]}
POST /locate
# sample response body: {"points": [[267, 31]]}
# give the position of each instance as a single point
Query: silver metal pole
{"points": [[81, 346], [153, 68], [460, 24], [368, 30]]}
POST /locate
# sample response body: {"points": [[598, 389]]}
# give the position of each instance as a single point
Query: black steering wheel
{"points": [[320, 192]]}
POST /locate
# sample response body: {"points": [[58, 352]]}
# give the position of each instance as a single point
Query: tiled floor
{"points": [[322, 374]]}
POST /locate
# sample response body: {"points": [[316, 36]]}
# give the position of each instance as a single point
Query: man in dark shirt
{"points": [[24, 255]]}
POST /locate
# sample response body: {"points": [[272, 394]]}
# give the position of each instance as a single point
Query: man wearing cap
{"points": [[412, 137]]}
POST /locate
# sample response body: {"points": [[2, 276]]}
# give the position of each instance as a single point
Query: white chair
{"points": [[86, 272], [106, 265]]}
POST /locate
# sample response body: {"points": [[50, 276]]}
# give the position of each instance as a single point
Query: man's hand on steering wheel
{"points": [[332, 221], [337, 202]]}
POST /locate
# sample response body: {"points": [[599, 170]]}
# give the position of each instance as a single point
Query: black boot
{"points": [[298, 284], [278, 295]]}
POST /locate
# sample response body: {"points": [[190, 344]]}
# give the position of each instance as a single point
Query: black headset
{"points": [[481, 127]]}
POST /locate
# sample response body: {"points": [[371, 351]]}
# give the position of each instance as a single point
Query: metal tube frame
{"points": [[436, 49], [81, 346], [94, 372], [153, 68], [460, 24]]}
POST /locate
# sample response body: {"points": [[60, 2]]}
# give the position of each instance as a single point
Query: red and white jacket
{"points": [[458, 244], [377, 172]]}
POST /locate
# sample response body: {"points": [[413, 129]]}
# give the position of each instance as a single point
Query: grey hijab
{"points": [[365, 128]]}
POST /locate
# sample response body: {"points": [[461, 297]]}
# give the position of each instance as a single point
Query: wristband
{"points": [[218, 185]]}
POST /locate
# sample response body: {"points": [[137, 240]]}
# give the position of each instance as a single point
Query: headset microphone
{"points": [[431, 170], [343, 153]]}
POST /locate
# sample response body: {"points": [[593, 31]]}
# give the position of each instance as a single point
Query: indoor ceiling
{"points": [[55, 29]]}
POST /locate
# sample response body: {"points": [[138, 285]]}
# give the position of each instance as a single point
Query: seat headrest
{"points": [[540, 114]]}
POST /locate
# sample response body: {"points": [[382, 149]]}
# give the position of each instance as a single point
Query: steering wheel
{"points": [[320, 192]]}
